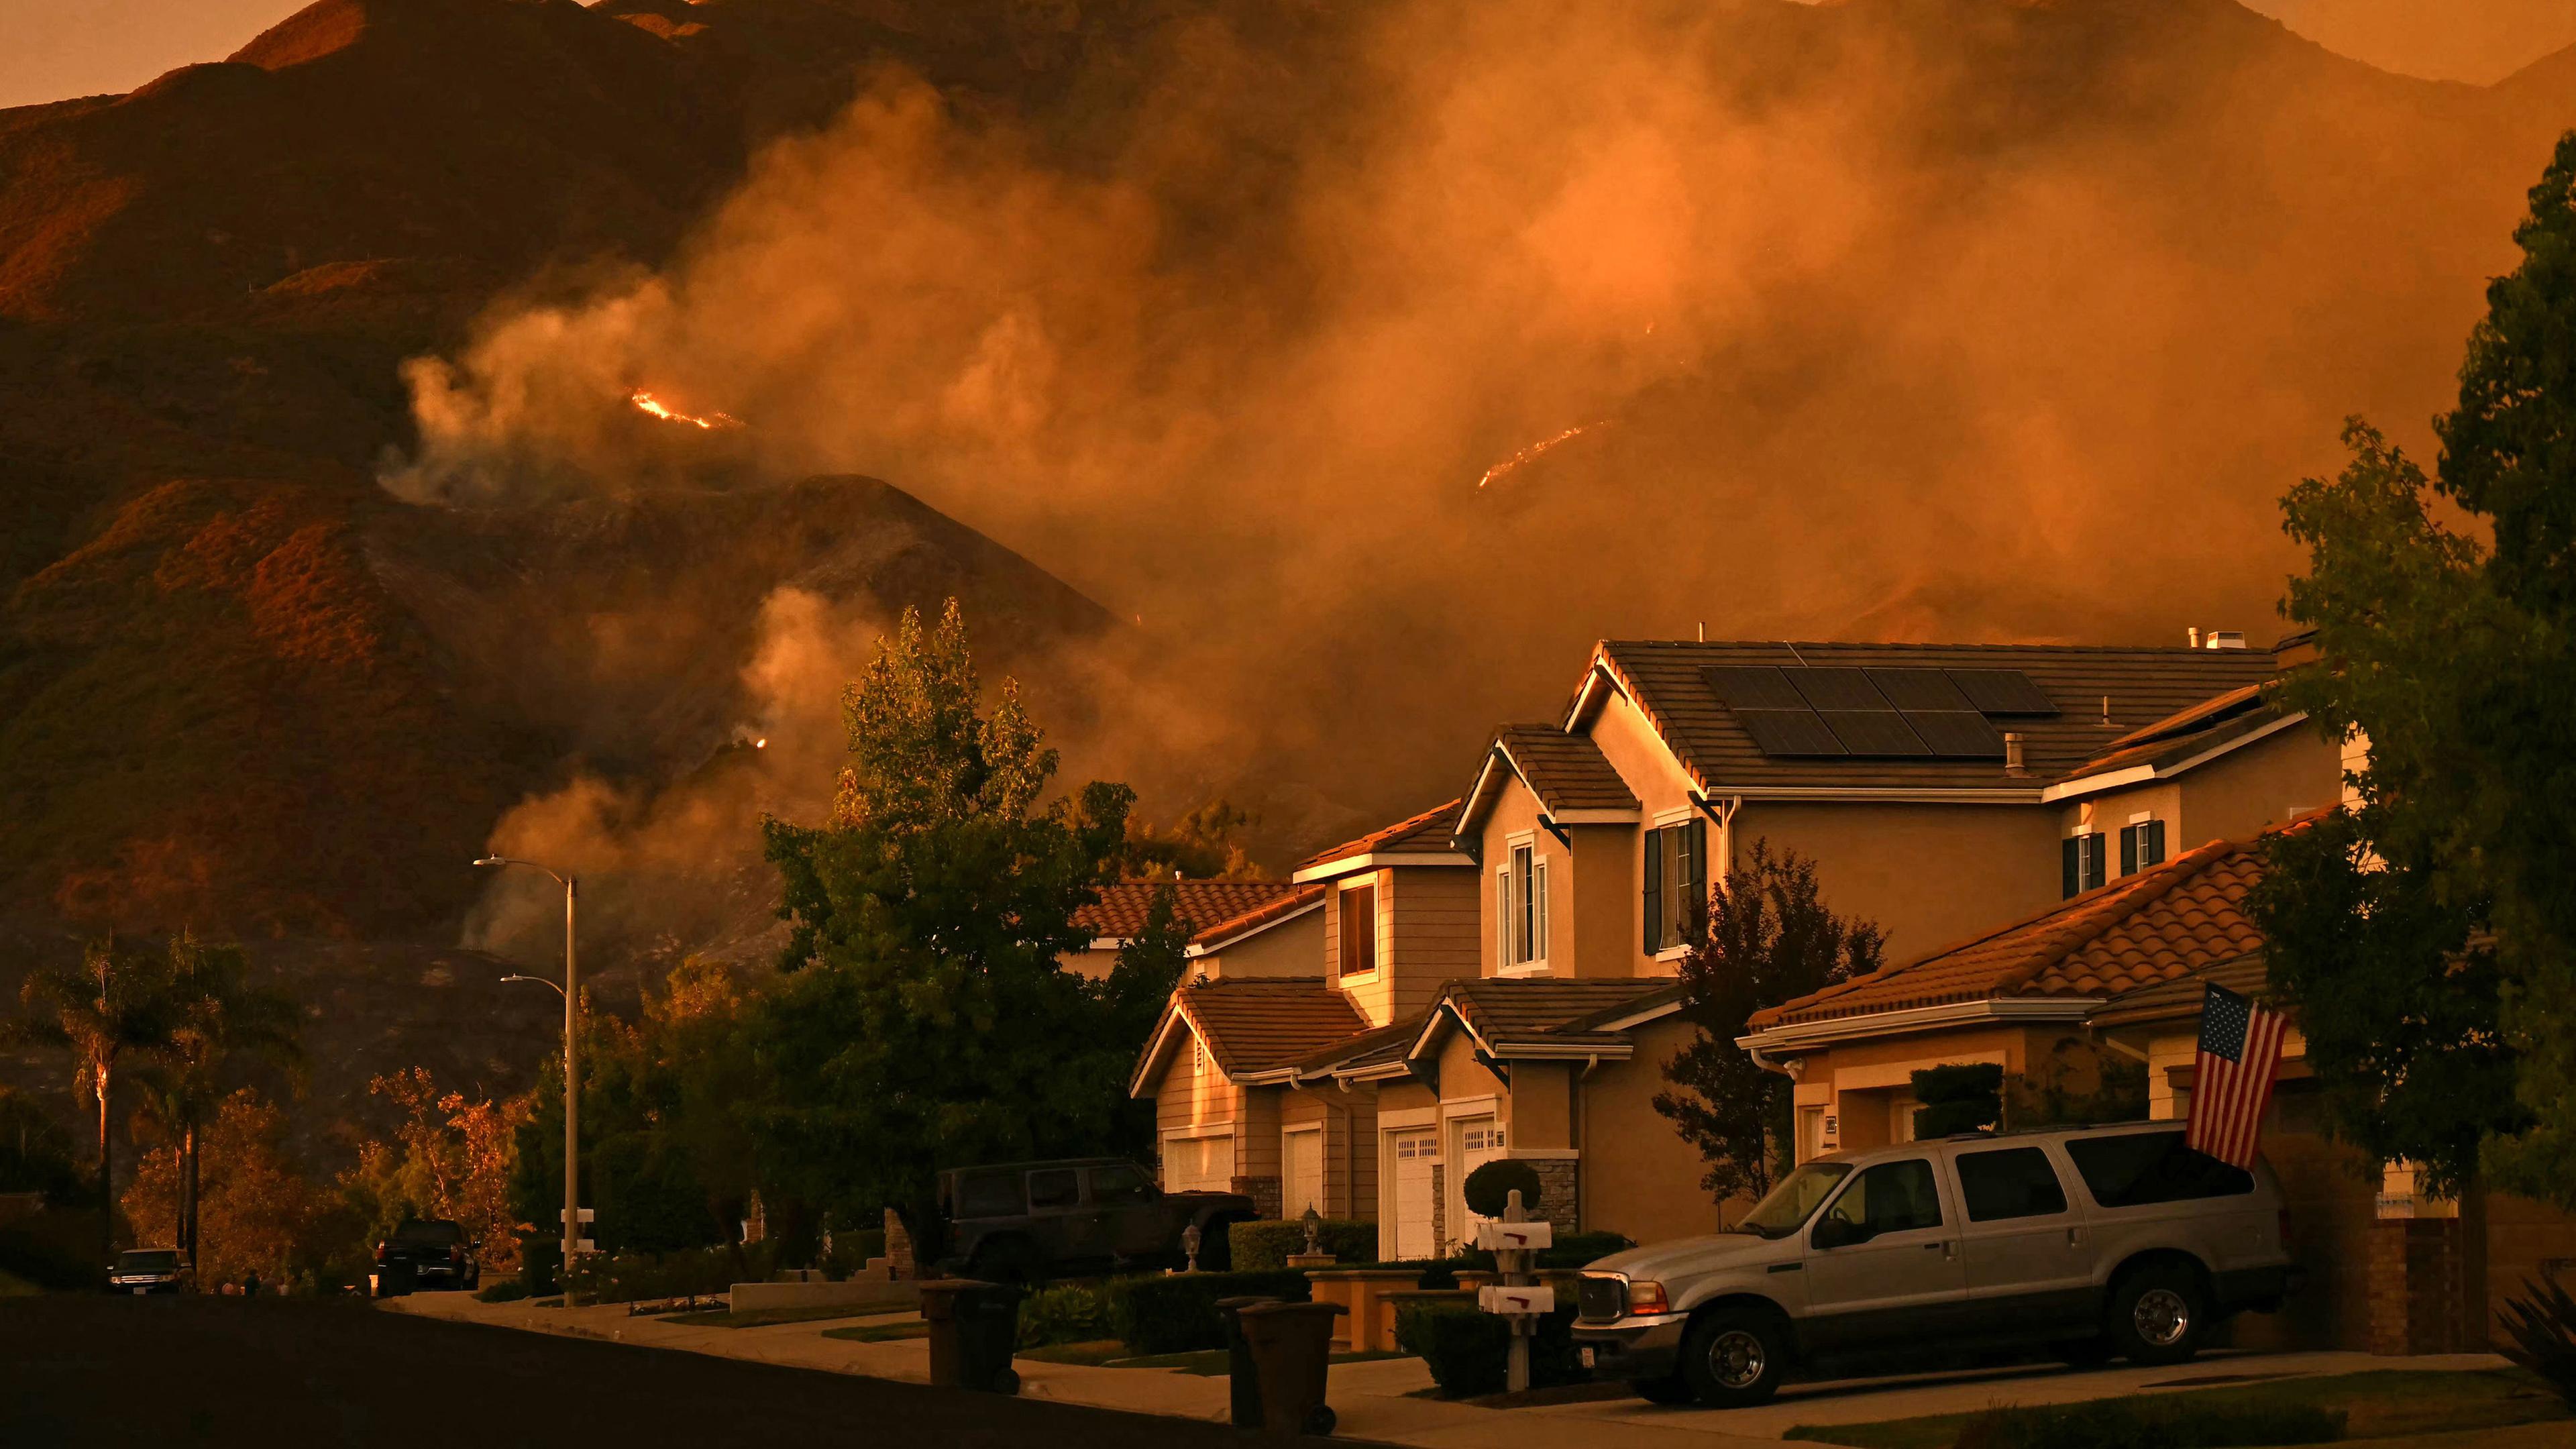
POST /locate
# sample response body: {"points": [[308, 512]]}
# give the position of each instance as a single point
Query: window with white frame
{"points": [[1520, 900], [1675, 876], [1481, 1139]]}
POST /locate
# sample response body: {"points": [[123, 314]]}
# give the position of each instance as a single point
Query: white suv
{"points": [[2097, 1241]]}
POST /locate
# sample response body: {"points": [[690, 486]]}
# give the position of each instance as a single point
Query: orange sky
{"points": [[60, 48]]}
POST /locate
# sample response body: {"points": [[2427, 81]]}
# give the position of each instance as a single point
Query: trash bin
{"points": [[1240, 1374], [1292, 1344], [973, 1327]]}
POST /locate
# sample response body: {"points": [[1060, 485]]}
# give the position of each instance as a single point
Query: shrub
{"points": [[1468, 1349], [1066, 1313], [1267, 1244], [1574, 1250], [505, 1290], [1177, 1313], [2151, 1424], [625, 1277], [851, 1250], [1960, 1097], [1489, 1188], [2542, 1325]]}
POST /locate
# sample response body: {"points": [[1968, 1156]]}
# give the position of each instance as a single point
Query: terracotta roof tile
{"points": [[1428, 831], [1277, 907], [1566, 772], [1368, 1049], [1196, 903], [1261, 1023], [1503, 1009]]}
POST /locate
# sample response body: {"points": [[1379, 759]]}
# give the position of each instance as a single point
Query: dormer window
{"points": [[1676, 882], [1359, 930], [2083, 864], [1520, 898]]}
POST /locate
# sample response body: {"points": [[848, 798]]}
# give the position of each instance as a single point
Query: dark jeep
{"points": [[1022, 1221]]}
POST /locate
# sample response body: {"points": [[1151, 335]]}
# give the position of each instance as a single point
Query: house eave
{"points": [[1378, 860], [1196, 951], [2083, 785], [1994, 1010]]}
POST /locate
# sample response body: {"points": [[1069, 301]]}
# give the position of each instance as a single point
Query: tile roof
{"points": [[1517, 1009], [1121, 911], [2205, 726], [2151, 927], [1377, 1047], [2143, 686], [1263, 1023], [2179, 999], [1278, 907], [1428, 831], [1565, 771]]}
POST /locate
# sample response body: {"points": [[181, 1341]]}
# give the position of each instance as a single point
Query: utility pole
{"points": [[571, 989]]}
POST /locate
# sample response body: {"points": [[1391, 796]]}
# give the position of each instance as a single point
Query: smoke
{"points": [[1996, 322]]}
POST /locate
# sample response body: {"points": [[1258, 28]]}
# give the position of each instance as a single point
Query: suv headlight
{"points": [[1646, 1296]]}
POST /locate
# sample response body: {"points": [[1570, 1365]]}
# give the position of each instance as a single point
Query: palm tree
{"points": [[219, 1016], [116, 1002]]}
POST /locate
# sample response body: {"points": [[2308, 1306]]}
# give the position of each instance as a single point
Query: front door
{"points": [[1896, 1274], [1415, 1154], [2023, 1241], [1478, 1140], [1301, 1179]]}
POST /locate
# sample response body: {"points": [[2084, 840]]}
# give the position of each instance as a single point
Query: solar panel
{"points": [[1752, 686], [2001, 691], [1913, 689], [1957, 734], [1783, 732], [1837, 688], [1881, 733]]}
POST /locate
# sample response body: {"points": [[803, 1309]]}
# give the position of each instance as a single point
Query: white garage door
{"points": [[1198, 1164], [1415, 1153], [1479, 1142], [1301, 1183]]}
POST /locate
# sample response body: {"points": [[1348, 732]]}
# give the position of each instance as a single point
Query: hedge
{"points": [[2151, 1424], [1177, 1313], [1574, 1250], [1065, 1313], [1468, 1350], [1267, 1244]]}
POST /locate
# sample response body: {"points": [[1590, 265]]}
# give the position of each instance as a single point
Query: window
{"points": [[1481, 1139], [1416, 1146], [989, 1195], [2135, 1169], [1892, 1197], [1198, 1057], [1359, 930], [1780, 1213], [2014, 1183], [1052, 1190], [1111, 1186], [2142, 845], [1676, 883], [1522, 893], [2081, 863]]}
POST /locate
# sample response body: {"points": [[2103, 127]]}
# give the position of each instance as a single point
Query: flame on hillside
{"points": [[1535, 449], [646, 403]]}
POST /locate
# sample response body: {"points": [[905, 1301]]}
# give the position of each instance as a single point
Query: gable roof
{"points": [[1541, 1016], [2180, 741], [1254, 1027], [1286, 906], [1568, 773], [2158, 925], [1665, 679], [1415, 840], [1120, 913]]}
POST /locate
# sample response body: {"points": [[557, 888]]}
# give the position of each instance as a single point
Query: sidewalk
{"points": [[1386, 1400]]}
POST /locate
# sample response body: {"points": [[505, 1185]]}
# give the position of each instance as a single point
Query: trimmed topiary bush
{"points": [[1267, 1244], [1489, 1188], [2151, 1424], [1177, 1313], [1467, 1349]]}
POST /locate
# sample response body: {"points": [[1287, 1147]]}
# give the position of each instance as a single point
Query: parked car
{"points": [[1023, 1221], [425, 1253], [2094, 1242], [149, 1270]]}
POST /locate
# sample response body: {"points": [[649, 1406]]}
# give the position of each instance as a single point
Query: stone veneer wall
{"points": [[898, 1248], [1439, 1209], [1560, 1187], [1264, 1192]]}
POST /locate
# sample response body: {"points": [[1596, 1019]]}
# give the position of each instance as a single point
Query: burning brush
{"points": [[1531, 452], [649, 405]]}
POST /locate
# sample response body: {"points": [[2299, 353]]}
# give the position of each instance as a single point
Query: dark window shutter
{"points": [[1697, 876], [2155, 853], [1654, 897], [2129, 861], [2070, 857], [2096, 858]]}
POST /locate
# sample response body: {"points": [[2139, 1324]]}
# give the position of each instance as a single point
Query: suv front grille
{"points": [[1599, 1299]]}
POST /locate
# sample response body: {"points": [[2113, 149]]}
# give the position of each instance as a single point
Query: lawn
{"points": [[764, 1317], [2381, 1404]]}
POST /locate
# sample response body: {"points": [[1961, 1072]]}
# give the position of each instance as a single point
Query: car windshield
{"points": [[1789, 1205], [162, 1260], [438, 1234]]}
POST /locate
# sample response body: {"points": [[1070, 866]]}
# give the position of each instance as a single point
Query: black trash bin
{"points": [[1292, 1345], [973, 1327], [1240, 1374]]}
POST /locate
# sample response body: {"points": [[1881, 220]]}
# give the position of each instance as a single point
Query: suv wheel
{"points": [[1733, 1358], [2158, 1315]]}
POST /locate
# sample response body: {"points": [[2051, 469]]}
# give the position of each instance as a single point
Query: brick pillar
{"points": [[898, 1252], [1264, 1192], [1439, 1207], [2418, 1287]]}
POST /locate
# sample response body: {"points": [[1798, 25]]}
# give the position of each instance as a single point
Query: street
{"points": [[277, 1372]]}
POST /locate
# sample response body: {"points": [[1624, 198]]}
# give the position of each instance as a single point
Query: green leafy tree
{"points": [[1767, 937], [2455, 658], [1149, 968], [1200, 845], [923, 1019], [115, 1005]]}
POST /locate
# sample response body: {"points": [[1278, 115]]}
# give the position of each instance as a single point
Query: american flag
{"points": [[2240, 1046]]}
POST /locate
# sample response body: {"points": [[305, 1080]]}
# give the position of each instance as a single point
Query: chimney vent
{"points": [[2013, 761], [2226, 639], [2193, 634]]}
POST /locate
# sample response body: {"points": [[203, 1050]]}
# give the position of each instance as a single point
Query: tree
{"points": [[219, 1019], [36, 1154], [261, 1208], [924, 1019], [115, 1004], [1767, 938], [2455, 659], [452, 1157], [1149, 968], [1200, 845]]}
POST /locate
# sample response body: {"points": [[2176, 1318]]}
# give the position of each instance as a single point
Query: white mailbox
{"points": [[1505, 1298], [1496, 1237]]}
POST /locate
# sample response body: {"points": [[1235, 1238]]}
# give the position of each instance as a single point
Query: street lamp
{"points": [[571, 1059]]}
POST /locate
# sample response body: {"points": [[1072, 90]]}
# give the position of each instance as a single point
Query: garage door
{"points": [[1415, 1153], [1479, 1141], [1199, 1164]]}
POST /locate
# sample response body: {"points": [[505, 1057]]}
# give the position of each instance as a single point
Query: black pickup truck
{"points": [[1025, 1221], [425, 1254]]}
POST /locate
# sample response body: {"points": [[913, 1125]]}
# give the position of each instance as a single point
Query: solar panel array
{"points": [[1875, 713]]}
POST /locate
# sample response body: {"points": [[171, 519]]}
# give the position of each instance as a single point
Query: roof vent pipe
{"points": [[2226, 639], [2193, 634], [2014, 764]]}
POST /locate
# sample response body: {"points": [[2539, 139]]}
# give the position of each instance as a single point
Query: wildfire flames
{"points": [[646, 403], [1533, 450]]}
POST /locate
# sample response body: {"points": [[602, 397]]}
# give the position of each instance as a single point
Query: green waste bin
{"points": [[973, 1327], [1241, 1377], [1292, 1345]]}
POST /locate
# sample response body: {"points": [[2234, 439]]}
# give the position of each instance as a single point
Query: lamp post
{"points": [[571, 1058]]}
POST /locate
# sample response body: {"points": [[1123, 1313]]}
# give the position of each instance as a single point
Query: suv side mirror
{"points": [[1838, 1233]]}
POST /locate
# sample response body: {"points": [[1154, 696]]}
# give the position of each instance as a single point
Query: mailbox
{"points": [[1504, 1298], [1495, 1237]]}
